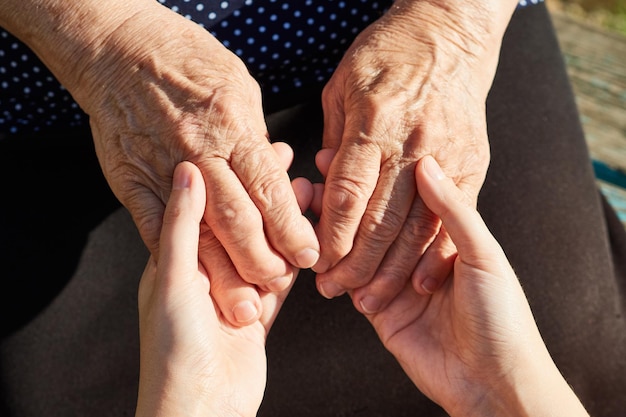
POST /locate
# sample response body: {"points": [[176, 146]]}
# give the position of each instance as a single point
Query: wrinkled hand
{"points": [[473, 346], [193, 362], [163, 90], [409, 85]]}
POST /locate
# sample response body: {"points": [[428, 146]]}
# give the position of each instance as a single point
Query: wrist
{"points": [[164, 397], [468, 30], [534, 388]]}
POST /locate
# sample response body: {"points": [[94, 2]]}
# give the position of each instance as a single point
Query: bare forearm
{"points": [[485, 17], [472, 28], [536, 389], [66, 34]]}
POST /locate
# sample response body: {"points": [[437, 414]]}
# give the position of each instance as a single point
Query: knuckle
{"points": [[236, 217], [272, 195], [262, 273], [344, 195], [382, 224], [420, 229]]}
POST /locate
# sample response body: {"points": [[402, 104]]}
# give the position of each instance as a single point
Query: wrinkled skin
{"points": [[160, 89], [404, 89], [180, 95]]}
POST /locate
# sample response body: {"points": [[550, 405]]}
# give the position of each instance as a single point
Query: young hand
{"points": [[193, 362], [473, 346]]}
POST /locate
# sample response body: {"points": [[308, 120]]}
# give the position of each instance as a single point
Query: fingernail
{"points": [[279, 284], [370, 304], [429, 285], [330, 290], [245, 311], [181, 179], [433, 169], [306, 258]]}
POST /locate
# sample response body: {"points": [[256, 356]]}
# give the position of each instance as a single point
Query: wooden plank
{"points": [[596, 64]]}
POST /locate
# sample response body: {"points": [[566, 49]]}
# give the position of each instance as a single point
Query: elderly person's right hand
{"points": [[159, 89]]}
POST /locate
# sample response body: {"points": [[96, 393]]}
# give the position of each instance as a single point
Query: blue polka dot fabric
{"points": [[286, 44]]}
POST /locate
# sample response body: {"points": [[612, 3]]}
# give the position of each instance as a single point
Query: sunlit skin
{"points": [[472, 346], [413, 83]]}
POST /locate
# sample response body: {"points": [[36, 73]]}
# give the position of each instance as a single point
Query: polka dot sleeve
{"points": [[286, 44]]}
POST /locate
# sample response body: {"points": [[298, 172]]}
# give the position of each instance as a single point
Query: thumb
{"points": [[178, 251], [460, 219]]}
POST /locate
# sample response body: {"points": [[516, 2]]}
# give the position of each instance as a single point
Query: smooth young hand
{"points": [[473, 346], [193, 362]]}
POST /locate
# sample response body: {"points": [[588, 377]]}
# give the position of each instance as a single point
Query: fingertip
{"points": [[425, 285], [432, 168], [304, 191], [284, 153], [307, 258], [323, 159], [245, 312], [182, 176], [438, 192]]}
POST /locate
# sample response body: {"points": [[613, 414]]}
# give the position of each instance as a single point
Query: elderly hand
{"points": [[473, 346], [159, 89], [193, 362], [413, 83]]}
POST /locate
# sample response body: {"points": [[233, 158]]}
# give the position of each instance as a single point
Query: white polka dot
{"points": [[311, 30]]}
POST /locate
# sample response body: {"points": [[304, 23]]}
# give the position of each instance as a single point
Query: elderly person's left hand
{"points": [[415, 82]]}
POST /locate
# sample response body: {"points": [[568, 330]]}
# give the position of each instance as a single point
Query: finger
{"points": [[463, 223], [268, 185], [284, 152], [242, 303], [302, 187], [384, 217], [272, 303], [395, 270], [436, 265], [304, 191], [350, 183], [238, 300], [178, 253], [323, 159], [316, 202], [238, 225]]}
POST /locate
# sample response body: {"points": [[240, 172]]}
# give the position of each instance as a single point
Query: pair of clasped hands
{"points": [[472, 346]]}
